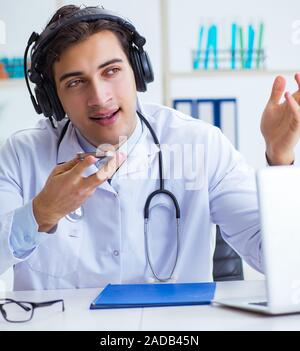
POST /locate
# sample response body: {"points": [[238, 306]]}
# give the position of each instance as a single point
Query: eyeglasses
{"points": [[22, 311]]}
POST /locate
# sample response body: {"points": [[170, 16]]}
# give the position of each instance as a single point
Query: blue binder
{"points": [[154, 295]]}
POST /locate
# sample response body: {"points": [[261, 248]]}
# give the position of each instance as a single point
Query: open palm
{"points": [[280, 124]]}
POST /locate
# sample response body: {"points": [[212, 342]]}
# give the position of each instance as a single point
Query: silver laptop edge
{"points": [[279, 208]]}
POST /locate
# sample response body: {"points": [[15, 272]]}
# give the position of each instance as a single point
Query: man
{"points": [[72, 222]]}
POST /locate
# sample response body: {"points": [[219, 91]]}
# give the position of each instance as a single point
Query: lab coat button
{"points": [[116, 253]]}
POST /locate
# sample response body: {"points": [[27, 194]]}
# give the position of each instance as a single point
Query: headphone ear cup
{"points": [[142, 68], [48, 101], [147, 67], [44, 105], [137, 70], [56, 107]]}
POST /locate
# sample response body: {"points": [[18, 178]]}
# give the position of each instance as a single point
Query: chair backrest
{"points": [[227, 264]]}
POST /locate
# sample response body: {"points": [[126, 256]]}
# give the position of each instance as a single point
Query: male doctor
{"points": [[69, 221]]}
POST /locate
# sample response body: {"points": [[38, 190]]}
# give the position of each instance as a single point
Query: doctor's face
{"points": [[96, 86]]}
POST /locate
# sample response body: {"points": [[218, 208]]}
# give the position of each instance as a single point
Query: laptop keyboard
{"points": [[263, 303]]}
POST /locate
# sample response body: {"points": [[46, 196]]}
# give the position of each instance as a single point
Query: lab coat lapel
{"points": [[69, 146], [144, 153], [141, 157]]}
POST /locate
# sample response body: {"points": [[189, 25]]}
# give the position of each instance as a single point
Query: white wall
{"points": [[21, 18], [16, 110]]}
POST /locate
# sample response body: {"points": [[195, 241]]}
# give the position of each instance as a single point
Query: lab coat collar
{"points": [[139, 160]]}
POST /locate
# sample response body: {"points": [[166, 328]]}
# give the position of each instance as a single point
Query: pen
{"points": [[98, 154]]}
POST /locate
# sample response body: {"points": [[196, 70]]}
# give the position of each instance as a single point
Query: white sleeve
{"points": [[233, 200], [297, 155], [11, 199]]}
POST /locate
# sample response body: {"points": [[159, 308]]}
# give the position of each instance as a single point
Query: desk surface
{"points": [[77, 315]]}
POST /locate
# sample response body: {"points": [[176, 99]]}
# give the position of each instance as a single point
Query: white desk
{"points": [[77, 315]]}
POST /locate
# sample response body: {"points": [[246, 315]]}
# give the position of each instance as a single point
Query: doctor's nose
{"points": [[99, 94]]}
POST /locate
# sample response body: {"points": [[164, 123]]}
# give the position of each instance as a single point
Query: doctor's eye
{"points": [[74, 83], [111, 72]]}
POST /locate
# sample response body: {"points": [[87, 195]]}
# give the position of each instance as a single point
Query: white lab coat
{"points": [[108, 244]]}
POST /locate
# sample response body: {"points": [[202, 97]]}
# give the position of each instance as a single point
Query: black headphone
{"points": [[46, 100]]}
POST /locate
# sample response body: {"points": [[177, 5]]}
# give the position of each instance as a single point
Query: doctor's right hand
{"points": [[66, 189]]}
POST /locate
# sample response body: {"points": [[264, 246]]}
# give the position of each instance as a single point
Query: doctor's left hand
{"points": [[280, 124], [66, 189]]}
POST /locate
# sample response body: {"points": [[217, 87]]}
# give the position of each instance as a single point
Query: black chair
{"points": [[227, 264]]}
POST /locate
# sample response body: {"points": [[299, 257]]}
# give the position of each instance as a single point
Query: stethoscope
{"points": [[76, 215]]}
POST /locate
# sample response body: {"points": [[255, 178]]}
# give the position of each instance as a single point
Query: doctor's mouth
{"points": [[106, 118]]}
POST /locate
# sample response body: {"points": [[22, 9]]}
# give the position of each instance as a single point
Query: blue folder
{"points": [[153, 295]]}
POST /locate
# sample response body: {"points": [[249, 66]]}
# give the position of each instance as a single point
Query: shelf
{"points": [[229, 72], [16, 82]]}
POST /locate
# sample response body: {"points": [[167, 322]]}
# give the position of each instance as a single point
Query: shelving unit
{"points": [[220, 73], [16, 82], [169, 76]]}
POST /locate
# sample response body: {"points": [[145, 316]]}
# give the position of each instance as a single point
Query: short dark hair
{"points": [[76, 33]]}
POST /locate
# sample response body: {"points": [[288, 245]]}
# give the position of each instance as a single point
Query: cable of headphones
{"points": [[33, 38]]}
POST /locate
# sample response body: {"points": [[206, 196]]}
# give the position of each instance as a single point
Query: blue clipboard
{"points": [[154, 295]]}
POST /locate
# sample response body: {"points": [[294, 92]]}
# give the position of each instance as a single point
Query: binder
{"points": [[154, 295]]}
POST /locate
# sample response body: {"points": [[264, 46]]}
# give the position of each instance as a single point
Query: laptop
{"points": [[279, 207]]}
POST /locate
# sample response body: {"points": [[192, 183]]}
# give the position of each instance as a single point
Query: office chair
{"points": [[227, 264]]}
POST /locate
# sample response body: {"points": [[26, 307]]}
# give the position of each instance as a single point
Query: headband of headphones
{"points": [[46, 100], [84, 15]]}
